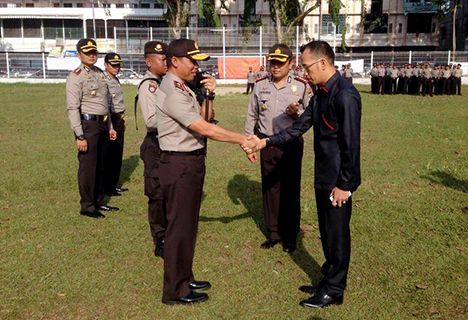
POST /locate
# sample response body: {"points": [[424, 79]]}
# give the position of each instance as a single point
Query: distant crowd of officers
{"points": [[416, 79]]}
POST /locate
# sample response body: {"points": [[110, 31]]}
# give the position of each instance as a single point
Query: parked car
{"points": [[128, 74]]}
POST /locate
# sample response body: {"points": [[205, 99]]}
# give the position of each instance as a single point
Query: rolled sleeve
{"points": [[74, 96]]}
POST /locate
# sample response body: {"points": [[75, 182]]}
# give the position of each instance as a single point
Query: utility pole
{"points": [[94, 20]]}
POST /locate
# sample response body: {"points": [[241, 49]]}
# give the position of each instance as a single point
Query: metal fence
{"points": [[36, 65]]}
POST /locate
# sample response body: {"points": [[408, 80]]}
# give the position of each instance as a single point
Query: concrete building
{"points": [[461, 29]]}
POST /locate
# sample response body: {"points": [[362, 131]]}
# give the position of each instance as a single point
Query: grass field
{"points": [[409, 225]]}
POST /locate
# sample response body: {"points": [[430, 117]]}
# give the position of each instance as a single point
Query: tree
{"points": [[177, 15], [291, 13], [446, 7]]}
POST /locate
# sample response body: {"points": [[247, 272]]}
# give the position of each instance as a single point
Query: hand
{"points": [[340, 197], [82, 145], [209, 82], [293, 109], [112, 134], [250, 144], [252, 157]]}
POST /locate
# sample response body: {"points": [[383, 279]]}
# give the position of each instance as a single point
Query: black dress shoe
{"points": [[94, 214], [311, 289], [289, 247], [113, 194], [269, 243], [109, 208], [159, 248], [192, 297], [321, 299], [120, 189], [200, 285]]}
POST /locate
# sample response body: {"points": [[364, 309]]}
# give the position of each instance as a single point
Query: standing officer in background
{"points": [[348, 73], [113, 162], [250, 81], [261, 73], [276, 102], [182, 130], [427, 80], [88, 102], [446, 74], [394, 73], [381, 79], [150, 153], [336, 116], [435, 74], [457, 74]]}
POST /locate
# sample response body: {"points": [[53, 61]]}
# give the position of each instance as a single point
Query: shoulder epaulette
{"points": [[262, 78], [77, 71], [301, 79]]}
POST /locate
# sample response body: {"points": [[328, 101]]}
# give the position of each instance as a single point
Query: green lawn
{"points": [[409, 225]]}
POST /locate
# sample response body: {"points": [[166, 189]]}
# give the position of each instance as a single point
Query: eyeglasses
{"points": [[90, 53], [310, 65]]}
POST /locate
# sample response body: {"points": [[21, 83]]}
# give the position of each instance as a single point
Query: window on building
{"points": [[390, 28], [328, 27], [100, 29], [68, 5], [135, 5], [316, 28], [53, 29], [73, 28], [3, 5], [29, 5], [18, 5], [400, 27], [32, 28], [79, 5], [119, 28], [376, 24], [159, 5], [145, 5], [119, 5], [376, 7], [56, 5], [419, 23], [434, 27], [12, 28]]}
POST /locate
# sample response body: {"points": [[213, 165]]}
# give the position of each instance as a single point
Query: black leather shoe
{"points": [[109, 208], [321, 300], [94, 214], [311, 289], [192, 297], [159, 248], [269, 243], [200, 285], [113, 194], [289, 247], [120, 189]]}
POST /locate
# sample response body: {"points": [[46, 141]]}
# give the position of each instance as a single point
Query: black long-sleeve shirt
{"points": [[335, 113]]}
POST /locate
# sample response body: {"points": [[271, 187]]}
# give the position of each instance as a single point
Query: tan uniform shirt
{"points": [[87, 93], [446, 74], [147, 99], [267, 108], [116, 93], [250, 77], [348, 73], [458, 73], [435, 73], [176, 109], [408, 73], [427, 73], [381, 72], [373, 72], [394, 73], [261, 74]]}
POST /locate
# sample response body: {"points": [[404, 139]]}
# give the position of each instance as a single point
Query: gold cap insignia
{"points": [[90, 43], [158, 47], [278, 51], [116, 57]]}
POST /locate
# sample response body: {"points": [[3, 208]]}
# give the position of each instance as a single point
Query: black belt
{"points": [[94, 117], [152, 133], [118, 115], [198, 152]]}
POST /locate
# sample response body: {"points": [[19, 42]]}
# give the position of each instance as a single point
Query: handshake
{"points": [[251, 145]]}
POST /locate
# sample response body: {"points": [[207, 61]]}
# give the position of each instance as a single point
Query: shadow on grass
{"points": [[315, 318], [128, 166], [304, 260], [243, 191], [448, 180]]}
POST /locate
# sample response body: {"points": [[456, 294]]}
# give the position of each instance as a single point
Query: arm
{"points": [[209, 83], [217, 133], [252, 114]]}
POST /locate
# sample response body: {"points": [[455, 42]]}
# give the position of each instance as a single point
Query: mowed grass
{"points": [[409, 228]]}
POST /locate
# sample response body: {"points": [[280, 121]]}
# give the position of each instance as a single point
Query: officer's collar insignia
{"points": [[87, 69], [77, 71], [289, 79], [278, 51], [158, 47]]}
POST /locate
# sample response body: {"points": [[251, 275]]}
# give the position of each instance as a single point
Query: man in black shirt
{"points": [[335, 113]]}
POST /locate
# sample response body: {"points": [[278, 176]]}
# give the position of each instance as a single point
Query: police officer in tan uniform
{"points": [[150, 153], [427, 80], [182, 130], [348, 73], [113, 163], [457, 74], [261, 73], [446, 74], [250, 80], [88, 102], [276, 102]]}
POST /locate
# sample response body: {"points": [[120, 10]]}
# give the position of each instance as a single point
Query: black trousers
{"points": [[458, 85], [91, 163], [151, 154], [393, 87], [281, 188], [350, 79], [381, 85], [336, 240], [436, 85], [250, 87], [427, 86], [445, 85], [113, 162], [406, 83], [181, 180]]}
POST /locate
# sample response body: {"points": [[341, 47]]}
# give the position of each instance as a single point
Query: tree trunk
{"points": [[279, 30]]}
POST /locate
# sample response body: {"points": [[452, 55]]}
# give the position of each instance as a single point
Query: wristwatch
{"points": [[80, 137], [267, 142]]}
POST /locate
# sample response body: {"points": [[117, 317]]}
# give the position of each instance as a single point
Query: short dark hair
{"points": [[320, 49]]}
